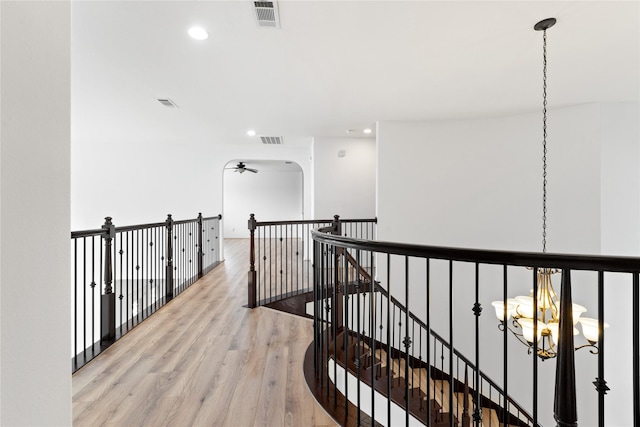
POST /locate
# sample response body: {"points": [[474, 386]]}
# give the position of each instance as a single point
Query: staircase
{"points": [[435, 399], [366, 356], [427, 395]]}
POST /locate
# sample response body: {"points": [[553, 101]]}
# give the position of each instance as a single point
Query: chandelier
{"points": [[541, 326]]}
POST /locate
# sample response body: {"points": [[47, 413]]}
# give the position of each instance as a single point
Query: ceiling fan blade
{"points": [[251, 170]]}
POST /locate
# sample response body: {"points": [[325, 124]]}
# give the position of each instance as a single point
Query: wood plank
{"points": [[274, 386], [242, 411], [215, 405]]}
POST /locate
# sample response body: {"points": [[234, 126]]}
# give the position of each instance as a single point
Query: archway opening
{"points": [[271, 189]]}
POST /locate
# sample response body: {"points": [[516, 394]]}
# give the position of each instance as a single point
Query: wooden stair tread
{"points": [[490, 418], [381, 355], [440, 392]]}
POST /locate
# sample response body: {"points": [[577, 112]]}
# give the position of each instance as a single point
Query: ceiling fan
{"points": [[242, 168]]}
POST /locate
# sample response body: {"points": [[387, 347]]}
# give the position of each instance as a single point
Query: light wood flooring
{"points": [[204, 360]]}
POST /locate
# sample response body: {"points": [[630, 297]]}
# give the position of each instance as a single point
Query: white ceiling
{"points": [[336, 65]]}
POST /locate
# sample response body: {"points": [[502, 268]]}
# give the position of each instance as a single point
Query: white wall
{"points": [[477, 183], [620, 189], [344, 186], [34, 214], [138, 183], [272, 195], [621, 236]]}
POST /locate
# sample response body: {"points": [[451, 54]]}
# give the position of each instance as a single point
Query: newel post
{"points": [[337, 226], [251, 295], [108, 299], [169, 268], [200, 251], [564, 407]]}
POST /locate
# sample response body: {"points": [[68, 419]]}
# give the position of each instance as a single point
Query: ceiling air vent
{"points": [[167, 102], [267, 14], [271, 140]]}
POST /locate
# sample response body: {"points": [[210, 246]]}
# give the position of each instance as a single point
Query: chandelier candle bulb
{"points": [[525, 307], [590, 329], [499, 306], [527, 329], [576, 310]]}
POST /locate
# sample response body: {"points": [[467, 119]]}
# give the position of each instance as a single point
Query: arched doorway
{"points": [[273, 193]]}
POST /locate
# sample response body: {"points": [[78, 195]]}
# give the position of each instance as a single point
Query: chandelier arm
{"points": [[516, 334], [593, 348]]}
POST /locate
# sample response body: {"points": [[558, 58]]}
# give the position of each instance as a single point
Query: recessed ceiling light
{"points": [[251, 132], [367, 131], [198, 33]]}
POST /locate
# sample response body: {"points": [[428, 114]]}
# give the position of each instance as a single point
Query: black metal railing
{"points": [[394, 368], [121, 275], [281, 254]]}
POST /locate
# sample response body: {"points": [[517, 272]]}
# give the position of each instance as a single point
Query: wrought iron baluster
{"points": [[428, 334], [505, 355], [636, 348], [534, 355], [407, 340], [389, 342], [451, 384], [75, 301]]}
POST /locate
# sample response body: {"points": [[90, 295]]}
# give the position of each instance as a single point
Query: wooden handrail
{"points": [[618, 264]]}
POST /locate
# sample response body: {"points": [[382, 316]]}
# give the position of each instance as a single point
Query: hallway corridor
{"points": [[204, 360]]}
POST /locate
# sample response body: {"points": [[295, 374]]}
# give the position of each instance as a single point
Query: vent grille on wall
{"points": [[167, 102], [271, 139], [267, 14]]}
